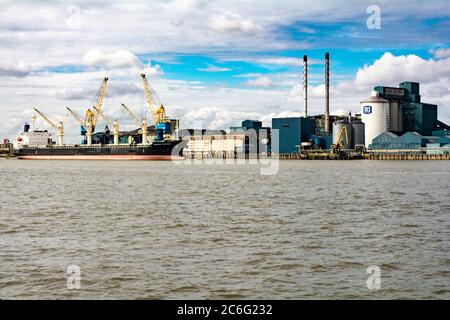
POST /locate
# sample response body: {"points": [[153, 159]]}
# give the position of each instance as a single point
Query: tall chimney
{"points": [[327, 94], [305, 84]]}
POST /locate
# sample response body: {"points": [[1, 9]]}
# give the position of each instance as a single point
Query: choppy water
{"points": [[156, 230]]}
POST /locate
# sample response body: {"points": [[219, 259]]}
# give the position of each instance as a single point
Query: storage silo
{"points": [[358, 129], [375, 114], [337, 127]]}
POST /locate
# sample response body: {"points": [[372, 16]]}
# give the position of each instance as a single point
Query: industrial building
{"points": [[390, 118], [292, 132], [410, 142], [397, 119], [212, 144], [257, 137], [398, 110], [250, 139], [319, 132]]}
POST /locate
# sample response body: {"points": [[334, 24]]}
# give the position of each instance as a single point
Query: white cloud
{"points": [[263, 82], [212, 68], [441, 53], [307, 30], [390, 69], [247, 75], [282, 61], [233, 23], [437, 91], [113, 89], [153, 70], [14, 69], [117, 59]]}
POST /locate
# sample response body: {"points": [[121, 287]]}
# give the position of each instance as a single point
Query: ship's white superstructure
{"points": [[35, 138]]}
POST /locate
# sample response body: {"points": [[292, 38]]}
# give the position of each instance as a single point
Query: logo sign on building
{"points": [[367, 109], [394, 92]]}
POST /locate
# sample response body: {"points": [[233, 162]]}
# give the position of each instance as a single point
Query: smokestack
{"points": [[327, 94], [305, 84]]}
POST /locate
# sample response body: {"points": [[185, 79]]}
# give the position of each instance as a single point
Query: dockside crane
{"points": [[142, 123], [58, 126], [336, 148]]}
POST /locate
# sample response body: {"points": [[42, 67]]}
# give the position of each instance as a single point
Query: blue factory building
{"points": [[292, 131]]}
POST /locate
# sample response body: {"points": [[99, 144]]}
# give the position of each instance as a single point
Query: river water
{"points": [[155, 230]]}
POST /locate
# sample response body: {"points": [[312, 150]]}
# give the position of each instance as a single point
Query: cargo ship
{"points": [[38, 145], [157, 142]]}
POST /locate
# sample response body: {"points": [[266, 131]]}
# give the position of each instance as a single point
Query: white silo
{"points": [[375, 114]]}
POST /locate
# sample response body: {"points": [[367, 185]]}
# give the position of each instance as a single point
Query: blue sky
{"points": [[216, 62]]}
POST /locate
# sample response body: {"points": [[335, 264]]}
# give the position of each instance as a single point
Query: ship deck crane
{"points": [[149, 98], [162, 124], [59, 126], [142, 123], [98, 105], [108, 123], [77, 118], [103, 116], [83, 124]]}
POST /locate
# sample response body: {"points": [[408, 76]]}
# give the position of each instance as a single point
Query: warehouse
{"points": [[408, 142], [212, 143]]}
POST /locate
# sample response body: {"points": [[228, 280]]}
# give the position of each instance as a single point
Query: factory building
{"points": [[322, 131], [292, 132], [391, 118], [258, 138], [398, 110]]}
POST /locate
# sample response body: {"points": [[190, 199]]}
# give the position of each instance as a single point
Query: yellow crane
{"points": [[58, 126], [77, 117], [142, 123], [336, 148], [79, 120], [116, 132], [108, 123], [103, 116], [89, 121], [98, 106], [158, 115], [86, 124]]}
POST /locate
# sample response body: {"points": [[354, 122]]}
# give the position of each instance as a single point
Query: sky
{"points": [[214, 63]]}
